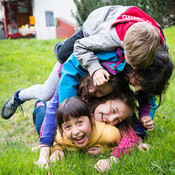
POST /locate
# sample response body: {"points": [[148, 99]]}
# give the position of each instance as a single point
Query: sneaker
{"points": [[11, 105]]}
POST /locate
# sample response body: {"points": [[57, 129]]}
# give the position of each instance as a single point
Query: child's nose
{"points": [[112, 118], [75, 130]]}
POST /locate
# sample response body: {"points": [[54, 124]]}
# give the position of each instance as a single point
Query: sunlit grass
{"points": [[26, 62]]}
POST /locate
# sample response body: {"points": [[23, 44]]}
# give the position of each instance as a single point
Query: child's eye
{"points": [[113, 110], [67, 127], [79, 122]]}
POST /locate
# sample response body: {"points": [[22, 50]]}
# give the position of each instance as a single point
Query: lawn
{"points": [[24, 62]]}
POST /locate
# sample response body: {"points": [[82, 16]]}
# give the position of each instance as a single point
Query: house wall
{"points": [[61, 8], [1, 12]]}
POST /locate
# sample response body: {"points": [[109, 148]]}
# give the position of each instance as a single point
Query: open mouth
{"points": [[80, 139], [102, 118]]}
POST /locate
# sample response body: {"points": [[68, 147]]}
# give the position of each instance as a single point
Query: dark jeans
{"points": [[64, 49], [138, 127], [38, 116]]}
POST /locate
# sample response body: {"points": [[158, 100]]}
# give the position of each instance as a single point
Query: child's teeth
{"points": [[78, 138]]}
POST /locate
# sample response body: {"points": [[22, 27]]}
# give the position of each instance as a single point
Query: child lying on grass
{"points": [[78, 129]]}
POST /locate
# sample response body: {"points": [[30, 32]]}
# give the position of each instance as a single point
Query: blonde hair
{"points": [[141, 43]]}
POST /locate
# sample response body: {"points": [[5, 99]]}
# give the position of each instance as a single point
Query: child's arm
{"points": [[105, 164], [127, 143], [85, 48], [43, 157], [48, 129], [147, 107]]}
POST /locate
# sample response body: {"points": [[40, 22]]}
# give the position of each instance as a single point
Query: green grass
{"points": [[25, 62]]}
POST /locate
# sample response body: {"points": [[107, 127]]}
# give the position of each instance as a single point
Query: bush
{"points": [[162, 11]]}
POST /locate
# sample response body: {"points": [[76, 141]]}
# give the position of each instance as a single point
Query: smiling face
{"points": [[112, 112], [101, 91], [78, 130]]}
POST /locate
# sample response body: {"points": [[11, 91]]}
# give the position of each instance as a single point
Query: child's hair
{"points": [[154, 80], [121, 92], [74, 107], [87, 82], [141, 43], [84, 86]]}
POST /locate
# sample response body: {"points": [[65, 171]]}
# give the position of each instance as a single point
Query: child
{"points": [[49, 127], [165, 71], [152, 81], [39, 91], [109, 27], [79, 130], [99, 36], [70, 73]]}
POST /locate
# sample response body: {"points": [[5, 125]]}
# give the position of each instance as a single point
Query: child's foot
{"points": [[11, 105]]}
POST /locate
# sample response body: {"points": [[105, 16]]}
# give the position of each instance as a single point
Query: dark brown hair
{"points": [[87, 82], [121, 92], [155, 79], [74, 107]]}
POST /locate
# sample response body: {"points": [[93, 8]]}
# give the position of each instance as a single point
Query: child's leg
{"points": [[64, 49], [39, 114], [42, 91]]}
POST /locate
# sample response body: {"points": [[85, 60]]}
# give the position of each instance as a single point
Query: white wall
{"points": [[61, 8], [1, 12]]}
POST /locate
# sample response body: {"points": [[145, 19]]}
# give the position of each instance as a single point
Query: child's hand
{"points": [[100, 77], [43, 158], [143, 147], [105, 164], [94, 150], [147, 122], [56, 156], [43, 163]]}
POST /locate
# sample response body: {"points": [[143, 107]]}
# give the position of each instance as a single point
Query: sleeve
{"points": [[49, 125], [71, 72], [127, 143], [85, 48], [147, 104]]}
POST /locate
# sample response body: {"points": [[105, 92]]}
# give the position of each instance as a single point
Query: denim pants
{"points": [[64, 49], [38, 116]]}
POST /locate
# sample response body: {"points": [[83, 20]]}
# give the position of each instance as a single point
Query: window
{"points": [[49, 18]]}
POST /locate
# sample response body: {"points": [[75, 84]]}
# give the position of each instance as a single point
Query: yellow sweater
{"points": [[102, 135]]}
